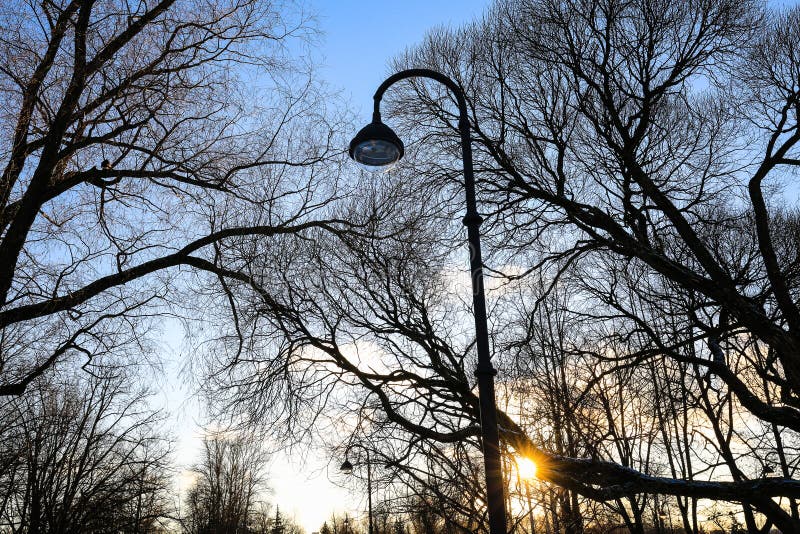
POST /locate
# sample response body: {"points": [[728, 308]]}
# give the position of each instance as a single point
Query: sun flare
{"points": [[526, 468]]}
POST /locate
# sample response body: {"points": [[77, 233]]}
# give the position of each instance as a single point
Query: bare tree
{"points": [[601, 157], [87, 456], [230, 483], [133, 147]]}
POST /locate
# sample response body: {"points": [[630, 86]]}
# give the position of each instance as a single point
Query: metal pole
{"points": [[369, 492], [490, 436]]}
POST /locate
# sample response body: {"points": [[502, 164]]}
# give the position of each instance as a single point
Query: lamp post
{"points": [[347, 468], [377, 145]]}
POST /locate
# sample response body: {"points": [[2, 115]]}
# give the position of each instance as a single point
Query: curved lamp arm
{"points": [[421, 73], [472, 216]]}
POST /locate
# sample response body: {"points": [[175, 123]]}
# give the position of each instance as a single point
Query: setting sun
{"points": [[526, 468]]}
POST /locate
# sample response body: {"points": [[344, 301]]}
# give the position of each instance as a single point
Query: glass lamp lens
{"points": [[376, 154]]}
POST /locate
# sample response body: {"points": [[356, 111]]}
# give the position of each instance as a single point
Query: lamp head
{"points": [[346, 468], [376, 146]]}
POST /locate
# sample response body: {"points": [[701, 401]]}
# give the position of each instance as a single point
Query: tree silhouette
{"points": [[84, 455], [134, 150], [229, 484], [277, 525]]}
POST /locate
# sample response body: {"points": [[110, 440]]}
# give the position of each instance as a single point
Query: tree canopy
{"points": [[636, 164], [632, 159]]}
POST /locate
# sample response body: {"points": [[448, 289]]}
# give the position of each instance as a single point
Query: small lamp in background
{"points": [[347, 467]]}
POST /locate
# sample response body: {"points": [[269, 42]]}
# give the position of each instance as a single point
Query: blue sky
{"points": [[360, 38]]}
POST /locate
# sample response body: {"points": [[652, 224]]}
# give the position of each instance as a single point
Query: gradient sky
{"points": [[359, 40]]}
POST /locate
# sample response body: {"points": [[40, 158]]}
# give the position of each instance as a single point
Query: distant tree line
{"points": [[423, 515], [228, 494], [84, 454]]}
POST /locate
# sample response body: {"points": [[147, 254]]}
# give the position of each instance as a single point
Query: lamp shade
{"points": [[376, 145], [346, 467]]}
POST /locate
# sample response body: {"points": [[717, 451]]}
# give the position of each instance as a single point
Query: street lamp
{"points": [[347, 469], [376, 145]]}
